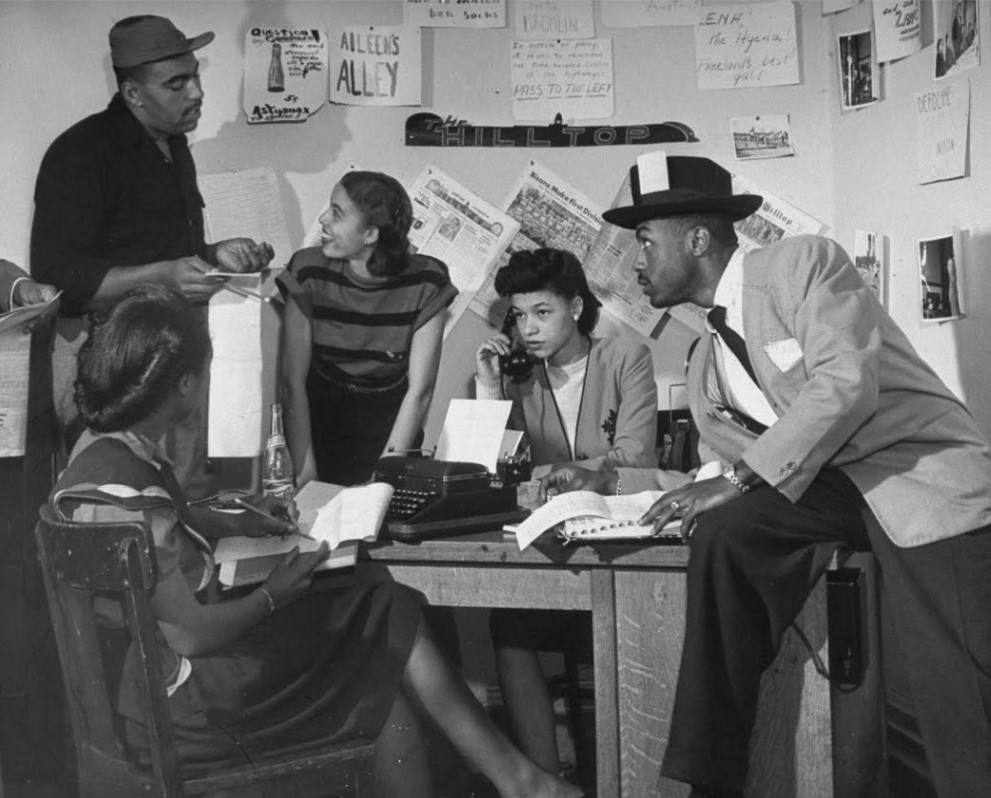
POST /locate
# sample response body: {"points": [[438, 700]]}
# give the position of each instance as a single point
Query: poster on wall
{"points": [[858, 68], [460, 228], [956, 31], [554, 19], [942, 116], [766, 136], [285, 74], [462, 14], [573, 78], [746, 45], [869, 257], [897, 28], [375, 65], [649, 13], [941, 280], [835, 6]]}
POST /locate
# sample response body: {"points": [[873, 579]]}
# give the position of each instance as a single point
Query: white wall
{"points": [[850, 170], [876, 189]]}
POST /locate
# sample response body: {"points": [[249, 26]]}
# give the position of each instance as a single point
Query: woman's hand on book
{"points": [[568, 478], [689, 502], [291, 578]]}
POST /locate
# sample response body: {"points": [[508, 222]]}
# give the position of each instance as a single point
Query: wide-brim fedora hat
{"points": [[147, 38], [695, 185]]}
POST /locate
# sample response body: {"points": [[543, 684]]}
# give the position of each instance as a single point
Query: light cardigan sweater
{"points": [[617, 417]]}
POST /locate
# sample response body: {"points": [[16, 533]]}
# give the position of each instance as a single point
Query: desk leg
{"points": [[650, 627], [606, 709]]}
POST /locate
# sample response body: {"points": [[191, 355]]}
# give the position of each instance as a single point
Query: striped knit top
{"points": [[362, 329]]}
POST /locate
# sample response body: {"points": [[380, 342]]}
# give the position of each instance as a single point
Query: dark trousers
{"points": [[754, 562]]}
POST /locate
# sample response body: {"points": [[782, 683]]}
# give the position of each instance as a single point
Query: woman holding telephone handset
{"points": [[582, 400]]}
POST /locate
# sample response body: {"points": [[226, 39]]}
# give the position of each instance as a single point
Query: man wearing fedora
{"points": [[116, 200], [832, 432]]}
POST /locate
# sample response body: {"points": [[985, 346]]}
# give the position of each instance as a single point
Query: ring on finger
{"points": [[675, 506]]}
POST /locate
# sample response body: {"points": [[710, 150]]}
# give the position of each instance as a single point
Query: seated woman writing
{"points": [[278, 665], [588, 401]]}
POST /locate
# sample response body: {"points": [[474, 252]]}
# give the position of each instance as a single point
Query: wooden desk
{"points": [[637, 598]]}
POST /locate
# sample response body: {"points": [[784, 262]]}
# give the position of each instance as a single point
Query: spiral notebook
{"points": [[616, 519]]}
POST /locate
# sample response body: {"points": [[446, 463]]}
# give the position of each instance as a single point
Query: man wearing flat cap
{"points": [[832, 432], [116, 200]]}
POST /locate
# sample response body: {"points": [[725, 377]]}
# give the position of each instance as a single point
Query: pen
{"points": [[263, 514]]}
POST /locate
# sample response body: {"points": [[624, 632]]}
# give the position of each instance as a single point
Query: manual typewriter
{"points": [[435, 498]]}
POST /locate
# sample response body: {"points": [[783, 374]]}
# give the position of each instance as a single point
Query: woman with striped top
{"points": [[361, 335]]}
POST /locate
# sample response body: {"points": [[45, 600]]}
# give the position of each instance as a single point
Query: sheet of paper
{"points": [[649, 13], [246, 204], [897, 28], [463, 14], [511, 440], [472, 431], [353, 514], [746, 45], [942, 116], [16, 318], [312, 498], [15, 358], [285, 74], [375, 65], [457, 226], [573, 78], [235, 405], [554, 19]]}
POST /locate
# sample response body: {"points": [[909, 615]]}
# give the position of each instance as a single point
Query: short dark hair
{"points": [[136, 353], [554, 270], [719, 225], [135, 74], [384, 203]]}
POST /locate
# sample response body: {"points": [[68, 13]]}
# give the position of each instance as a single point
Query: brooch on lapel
{"points": [[609, 426]]}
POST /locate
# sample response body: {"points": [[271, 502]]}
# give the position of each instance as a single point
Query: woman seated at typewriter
{"points": [[362, 334], [586, 401], [276, 666]]}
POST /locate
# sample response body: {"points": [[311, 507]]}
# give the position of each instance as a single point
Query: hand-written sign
{"points": [[648, 13], [459, 14], [573, 78], [377, 65], [554, 19], [285, 74], [942, 115], [429, 130], [897, 28], [739, 46]]}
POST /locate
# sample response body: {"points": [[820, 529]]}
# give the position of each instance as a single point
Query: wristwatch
{"points": [[730, 473]]}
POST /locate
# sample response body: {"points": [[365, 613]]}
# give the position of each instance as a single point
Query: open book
{"points": [[587, 516], [340, 516], [19, 316]]}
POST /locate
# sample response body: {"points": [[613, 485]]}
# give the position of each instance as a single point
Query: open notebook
{"points": [[340, 516]]}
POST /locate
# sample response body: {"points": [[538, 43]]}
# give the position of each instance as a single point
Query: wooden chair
{"points": [[118, 560]]}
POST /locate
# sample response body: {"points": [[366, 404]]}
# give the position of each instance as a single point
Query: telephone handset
{"points": [[518, 363]]}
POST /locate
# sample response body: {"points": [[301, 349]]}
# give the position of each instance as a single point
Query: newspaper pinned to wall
{"points": [[15, 358], [552, 213], [459, 228]]}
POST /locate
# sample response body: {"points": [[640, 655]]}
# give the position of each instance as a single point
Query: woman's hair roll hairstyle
{"points": [[555, 270], [384, 203], [136, 353]]}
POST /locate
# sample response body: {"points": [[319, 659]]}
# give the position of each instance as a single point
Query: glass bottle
{"points": [[276, 77], [277, 472]]}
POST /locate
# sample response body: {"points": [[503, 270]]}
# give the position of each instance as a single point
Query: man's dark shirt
{"points": [[106, 196]]}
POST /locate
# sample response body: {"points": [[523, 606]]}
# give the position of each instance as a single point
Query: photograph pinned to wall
{"points": [[649, 13], [897, 28], [463, 14], [956, 31], [761, 136], [285, 74], [869, 257], [941, 273], [554, 19], [375, 65], [859, 84]]}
